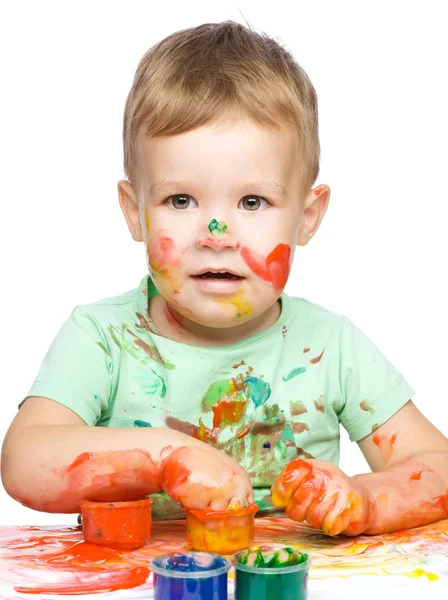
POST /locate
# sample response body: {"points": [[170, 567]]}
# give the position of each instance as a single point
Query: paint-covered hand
{"points": [[318, 492], [203, 477]]}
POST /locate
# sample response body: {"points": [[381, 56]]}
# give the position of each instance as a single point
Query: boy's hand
{"points": [[203, 477], [320, 493]]}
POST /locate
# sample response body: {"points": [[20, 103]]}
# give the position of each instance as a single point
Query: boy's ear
{"points": [[314, 209], [129, 205]]}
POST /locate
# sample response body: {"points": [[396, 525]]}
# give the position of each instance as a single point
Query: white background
{"points": [[380, 70]]}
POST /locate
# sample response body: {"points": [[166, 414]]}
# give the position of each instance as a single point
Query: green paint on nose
{"points": [[217, 227]]}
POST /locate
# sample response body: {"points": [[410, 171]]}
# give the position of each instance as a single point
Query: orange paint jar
{"points": [[221, 532], [118, 525]]}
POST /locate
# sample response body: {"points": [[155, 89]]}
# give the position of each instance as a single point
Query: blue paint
{"points": [[267, 445], [259, 391], [294, 373], [140, 423], [190, 576]]}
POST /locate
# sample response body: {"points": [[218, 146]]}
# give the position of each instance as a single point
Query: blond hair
{"points": [[205, 74]]}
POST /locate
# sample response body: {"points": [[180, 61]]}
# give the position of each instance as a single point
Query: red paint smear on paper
{"points": [[274, 269], [314, 361]]}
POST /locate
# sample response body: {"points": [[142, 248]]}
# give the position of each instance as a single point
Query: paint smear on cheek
{"points": [[386, 446], [274, 269], [164, 260], [240, 303]]}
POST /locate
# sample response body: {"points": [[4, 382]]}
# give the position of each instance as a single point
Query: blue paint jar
{"points": [[190, 576]]}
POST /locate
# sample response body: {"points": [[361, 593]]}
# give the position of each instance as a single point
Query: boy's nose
{"points": [[218, 235]]}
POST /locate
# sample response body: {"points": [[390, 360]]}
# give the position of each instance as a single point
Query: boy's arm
{"points": [[409, 487], [51, 459], [409, 457]]}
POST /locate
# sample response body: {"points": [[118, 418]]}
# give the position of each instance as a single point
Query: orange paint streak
{"points": [[226, 412], [386, 446], [243, 433], [314, 361], [274, 269]]}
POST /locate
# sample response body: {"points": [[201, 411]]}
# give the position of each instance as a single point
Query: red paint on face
{"points": [[416, 476], [274, 269], [318, 191]]}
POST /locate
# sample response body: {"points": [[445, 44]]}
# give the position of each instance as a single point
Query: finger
{"points": [[340, 516], [318, 509], [289, 480], [305, 495]]}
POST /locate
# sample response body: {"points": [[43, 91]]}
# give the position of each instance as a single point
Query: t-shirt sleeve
{"points": [[77, 369], [373, 390]]}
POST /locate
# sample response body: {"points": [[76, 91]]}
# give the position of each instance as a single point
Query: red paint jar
{"points": [[222, 531], [118, 525]]}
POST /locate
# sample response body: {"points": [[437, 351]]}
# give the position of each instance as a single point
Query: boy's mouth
{"points": [[218, 275], [221, 282]]}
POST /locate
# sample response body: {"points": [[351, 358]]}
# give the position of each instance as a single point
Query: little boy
{"points": [[207, 385]]}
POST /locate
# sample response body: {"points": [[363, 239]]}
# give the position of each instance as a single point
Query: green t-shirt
{"points": [[265, 400]]}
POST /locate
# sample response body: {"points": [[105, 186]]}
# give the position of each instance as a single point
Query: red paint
{"points": [[314, 361], [240, 364], [226, 412], [318, 191], [93, 582], [107, 477], [416, 476], [274, 269], [119, 525], [386, 446], [305, 350]]}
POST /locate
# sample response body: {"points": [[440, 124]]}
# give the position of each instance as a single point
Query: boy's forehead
{"points": [[235, 146]]}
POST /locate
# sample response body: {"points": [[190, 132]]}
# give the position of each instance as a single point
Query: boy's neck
{"points": [[170, 324]]}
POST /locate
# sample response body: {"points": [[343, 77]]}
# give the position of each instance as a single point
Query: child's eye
{"points": [[253, 203], [181, 201]]}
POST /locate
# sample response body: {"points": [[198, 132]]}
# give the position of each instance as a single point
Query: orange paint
{"points": [[118, 525], [305, 350], [274, 269], [318, 191], [289, 480], [226, 412], [221, 532], [416, 476], [386, 446], [244, 432]]}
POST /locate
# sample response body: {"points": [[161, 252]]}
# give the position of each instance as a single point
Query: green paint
{"points": [[155, 385], [264, 575], [217, 228], [139, 423], [294, 373]]}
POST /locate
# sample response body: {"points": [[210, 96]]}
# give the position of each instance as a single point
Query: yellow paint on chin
{"points": [[238, 301]]}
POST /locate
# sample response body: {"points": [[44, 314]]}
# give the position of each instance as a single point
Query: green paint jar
{"points": [[272, 581]]}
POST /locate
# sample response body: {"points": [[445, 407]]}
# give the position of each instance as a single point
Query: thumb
{"points": [[289, 480]]}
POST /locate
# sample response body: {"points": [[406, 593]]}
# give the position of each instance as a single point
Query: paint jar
{"points": [[190, 576], [222, 531], [118, 525], [281, 574]]}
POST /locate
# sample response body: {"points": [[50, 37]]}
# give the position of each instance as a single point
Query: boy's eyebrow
{"points": [[260, 186]]}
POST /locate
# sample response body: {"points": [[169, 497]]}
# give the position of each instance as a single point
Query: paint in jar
{"points": [[117, 525], [263, 574], [190, 576], [221, 531]]}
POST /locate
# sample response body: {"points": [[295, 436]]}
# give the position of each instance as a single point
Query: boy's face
{"points": [[219, 209]]}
